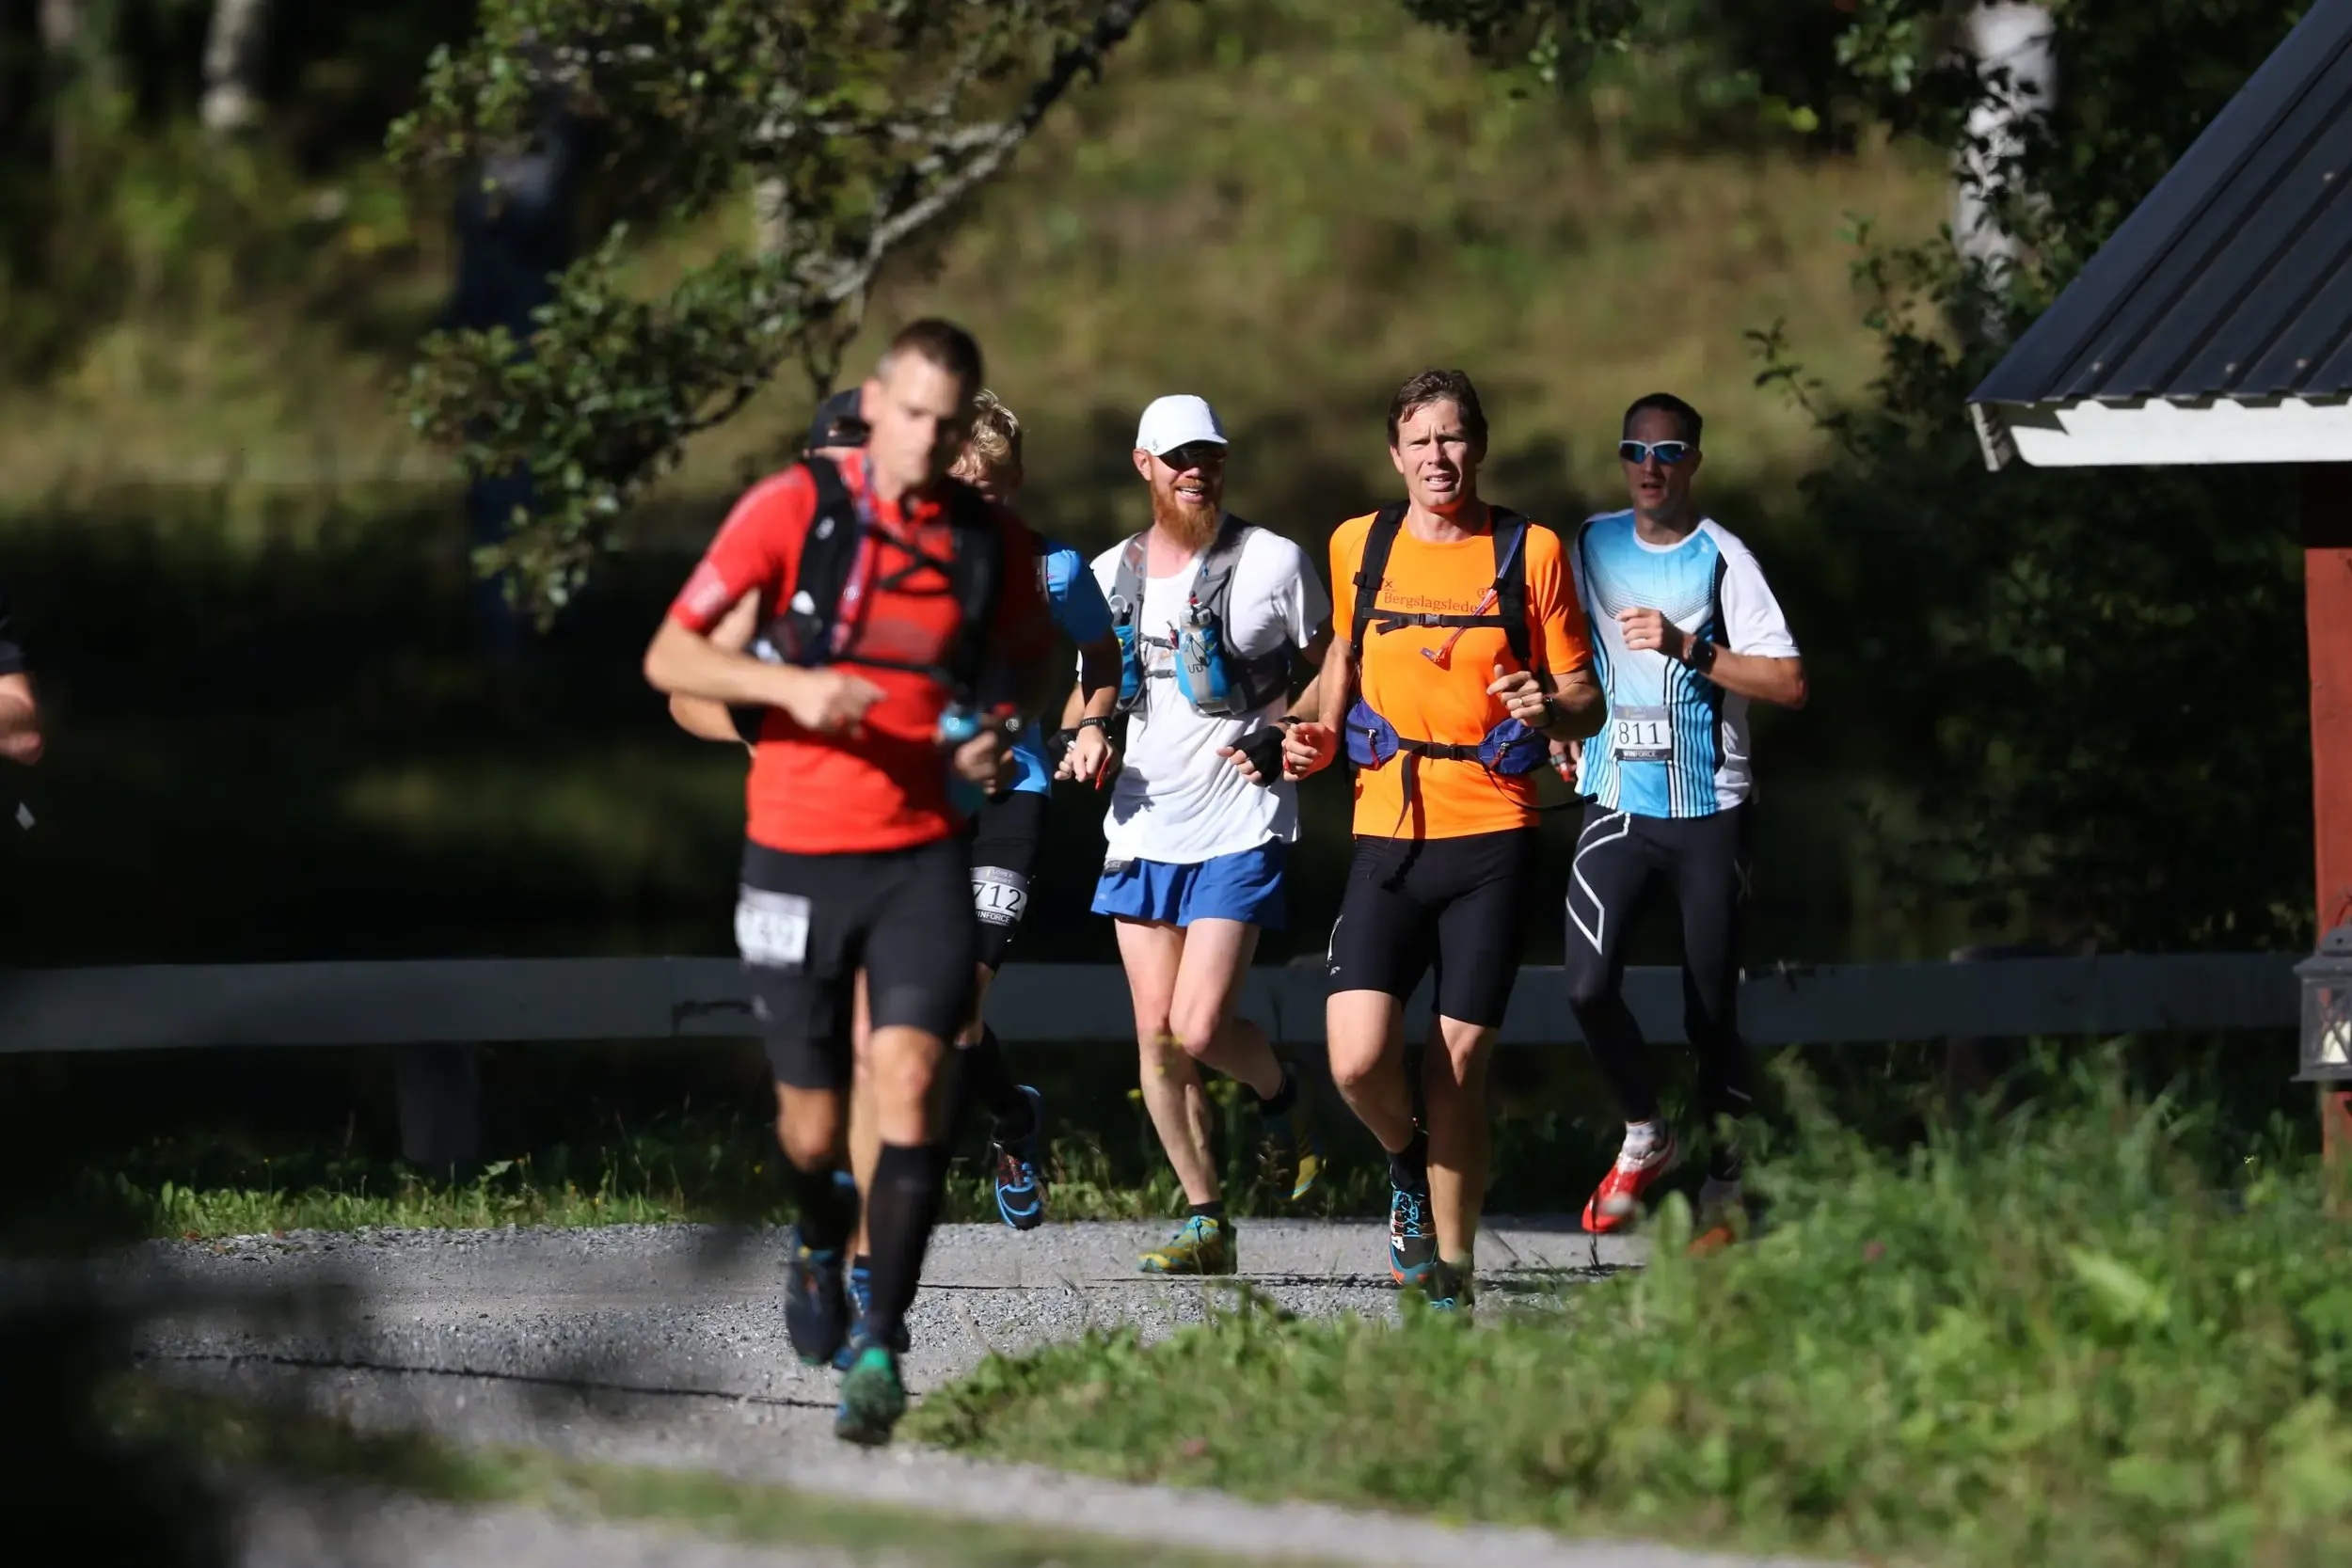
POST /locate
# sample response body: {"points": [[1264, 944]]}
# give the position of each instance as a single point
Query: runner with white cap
{"points": [[1215, 618]]}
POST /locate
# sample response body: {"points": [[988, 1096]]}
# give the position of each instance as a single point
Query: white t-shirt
{"points": [[1176, 801]]}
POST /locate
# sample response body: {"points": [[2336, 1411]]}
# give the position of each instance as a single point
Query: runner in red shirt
{"points": [[854, 857]]}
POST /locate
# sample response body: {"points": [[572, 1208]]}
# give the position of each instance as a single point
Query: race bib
{"points": [[771, 929], [1000, 897], [1641, 735]]}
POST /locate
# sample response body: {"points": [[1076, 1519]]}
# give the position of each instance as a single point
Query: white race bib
{"points": [[1000, 897], [1641, 735], [771, 929]]}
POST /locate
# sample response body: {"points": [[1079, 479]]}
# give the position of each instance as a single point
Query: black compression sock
{"points": [[1408, 1169], [1283, 1098], [862, 1263], [899, 1214], [828, 1213], [988, 1078], [1212, 1209]]}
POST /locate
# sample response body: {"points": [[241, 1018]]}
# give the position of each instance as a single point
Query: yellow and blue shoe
{"points": [[1292, 1145], [872, 1395], [1201, 1245]]}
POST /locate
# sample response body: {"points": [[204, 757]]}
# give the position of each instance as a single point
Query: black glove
{"points": [[1058, 747], [1263, 748]]}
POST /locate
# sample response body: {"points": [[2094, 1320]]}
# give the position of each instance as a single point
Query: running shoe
{"points": [[1293, 1143], [1722, 1218], [1020, 1185], [861, 1292], [1618, 1198], [815, 1315], [1201, 1245], [1452, 1287], [872, 1395], [1412, 1237]]}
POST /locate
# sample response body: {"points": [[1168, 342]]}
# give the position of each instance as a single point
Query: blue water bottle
{"points": [[957, 723]]}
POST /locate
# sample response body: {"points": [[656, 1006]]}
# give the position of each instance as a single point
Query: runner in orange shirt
{"points": [[1459, 652]]}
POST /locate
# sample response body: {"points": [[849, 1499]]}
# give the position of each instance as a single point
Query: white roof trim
{"points": [[2157, 434]]}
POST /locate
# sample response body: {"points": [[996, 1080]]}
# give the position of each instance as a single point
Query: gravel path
{"points": [[664, 1346]]}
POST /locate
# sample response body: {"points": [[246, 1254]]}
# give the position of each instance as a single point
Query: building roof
{"points": [[2232, 280]]}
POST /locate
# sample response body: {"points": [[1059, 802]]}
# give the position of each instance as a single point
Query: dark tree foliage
{"points": [[2089, 681], [872, 120]]}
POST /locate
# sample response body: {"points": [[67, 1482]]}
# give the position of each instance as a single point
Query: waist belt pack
{"points": [[1510, 749], [1210, 674]]}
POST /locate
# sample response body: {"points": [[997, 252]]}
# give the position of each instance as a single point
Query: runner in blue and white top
{"points": [[1686, 634]]}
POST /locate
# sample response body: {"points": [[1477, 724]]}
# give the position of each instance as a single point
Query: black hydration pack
{"points": [[1214, 675], [1508, 750], [807, 628]]}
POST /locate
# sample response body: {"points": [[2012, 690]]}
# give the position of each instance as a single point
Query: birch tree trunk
{"points": [[2015, 37], [233, 67]]}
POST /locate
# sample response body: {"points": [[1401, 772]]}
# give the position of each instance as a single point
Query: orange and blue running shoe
{"points": [[1618, 1198], [1412, 1237]]}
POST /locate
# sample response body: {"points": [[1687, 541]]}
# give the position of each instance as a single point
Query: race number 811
{"points": [[1642, 735]]}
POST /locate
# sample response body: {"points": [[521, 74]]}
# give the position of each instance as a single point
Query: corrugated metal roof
{"points": [[2233, 278]]}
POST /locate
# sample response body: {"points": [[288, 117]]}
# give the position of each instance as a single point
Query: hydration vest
{"points": [[1211, 673], [810, 629], [1508, 750]]}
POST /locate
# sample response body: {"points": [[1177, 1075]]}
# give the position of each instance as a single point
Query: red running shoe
{"points": [[1618, 1198]]}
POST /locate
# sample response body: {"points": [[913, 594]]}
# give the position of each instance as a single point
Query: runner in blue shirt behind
{"points": [[1012, 824]]}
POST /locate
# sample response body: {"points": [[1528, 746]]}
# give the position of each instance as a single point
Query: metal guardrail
{"points": [[435, 1011], [486, 1001]]}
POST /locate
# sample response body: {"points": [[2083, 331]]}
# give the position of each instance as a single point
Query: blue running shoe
{"points": [[1453, 1288], [860, 1283], [1020, 1181], [861, 1293], [873, 1397], [1412, 1238], [815, 1317]]}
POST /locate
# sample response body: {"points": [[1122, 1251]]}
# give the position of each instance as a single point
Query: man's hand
{"points": [[1308, 749], [1258, 757], [1091, 758], [1567, 757], [1650, 628], [1522, 695], [827, 701], [986, 759]]}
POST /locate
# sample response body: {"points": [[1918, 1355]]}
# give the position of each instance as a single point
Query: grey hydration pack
{"points": [[1212, 675]]}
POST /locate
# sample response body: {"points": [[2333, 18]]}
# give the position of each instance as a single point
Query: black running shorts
{"points": [[1457, 903], [1004, 857], [807, 923]]}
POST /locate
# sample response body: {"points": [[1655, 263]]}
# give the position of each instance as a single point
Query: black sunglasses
{"points": [[1668, 452]]}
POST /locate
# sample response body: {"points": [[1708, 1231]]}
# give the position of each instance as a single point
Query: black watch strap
{"points": [[1092, 721]]}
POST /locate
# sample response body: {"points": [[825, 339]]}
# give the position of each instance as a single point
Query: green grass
{"points": [[2052, 1338], [681, 1168], [235, 1437]]}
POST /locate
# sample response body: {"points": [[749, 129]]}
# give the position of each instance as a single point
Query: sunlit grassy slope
{"points": [[1288, 206]]}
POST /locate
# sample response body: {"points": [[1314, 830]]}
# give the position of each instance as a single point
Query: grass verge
{"points": [[2044, 1338], [236, 1437]]}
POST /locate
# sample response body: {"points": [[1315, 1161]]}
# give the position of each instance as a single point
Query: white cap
{"points": [[1177, 420]]}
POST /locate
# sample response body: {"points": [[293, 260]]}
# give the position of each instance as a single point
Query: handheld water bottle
{"points": [[957, 723]]}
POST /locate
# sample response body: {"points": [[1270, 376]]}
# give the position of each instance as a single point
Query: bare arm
{"points": [[20, 720], [699, 716], [683, 662], [1578, 706], [1777, 681]]}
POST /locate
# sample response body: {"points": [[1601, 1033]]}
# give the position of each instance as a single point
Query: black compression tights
{"points": [[1704, 860]]}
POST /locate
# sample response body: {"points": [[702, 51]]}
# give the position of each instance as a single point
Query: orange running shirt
{"points": [[883, 786], [1447, 702]]}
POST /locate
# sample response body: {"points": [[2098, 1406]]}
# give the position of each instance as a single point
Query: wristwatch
{"points": [[1699, 654], [1094, 722]]}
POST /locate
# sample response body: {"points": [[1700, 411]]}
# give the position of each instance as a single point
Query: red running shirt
{"points": [[884, 786]]}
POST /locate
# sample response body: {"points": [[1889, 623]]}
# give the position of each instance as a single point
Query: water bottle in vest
{"points": [[1202, 671]]}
